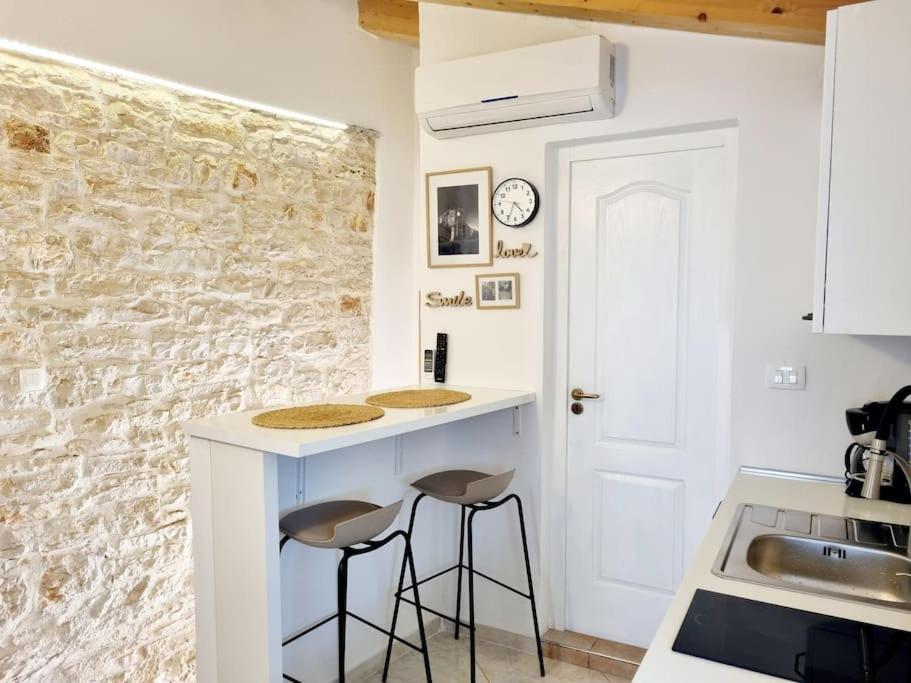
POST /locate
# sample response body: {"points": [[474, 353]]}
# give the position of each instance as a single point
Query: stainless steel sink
{"points": [[834, 556]]}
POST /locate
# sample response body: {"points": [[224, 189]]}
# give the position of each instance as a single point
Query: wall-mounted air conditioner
{"points": [[561, 82]]}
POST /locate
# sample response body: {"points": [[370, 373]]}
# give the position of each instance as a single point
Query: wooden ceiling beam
{"points": [[395, 19], [802, 21]]}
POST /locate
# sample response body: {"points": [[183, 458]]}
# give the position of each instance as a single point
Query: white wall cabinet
{"points": [[863, 257]]}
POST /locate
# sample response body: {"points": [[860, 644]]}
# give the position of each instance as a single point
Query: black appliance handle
{"points": [[800, 656], [889, 414]]}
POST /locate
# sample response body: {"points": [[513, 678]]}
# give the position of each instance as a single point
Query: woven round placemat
{"points": [[318, 417], [418, 398]]}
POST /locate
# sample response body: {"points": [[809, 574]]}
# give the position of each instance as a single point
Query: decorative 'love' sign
{"points": [[524, 251]]}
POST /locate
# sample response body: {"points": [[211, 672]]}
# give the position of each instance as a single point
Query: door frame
{"points": [[555, 429]]}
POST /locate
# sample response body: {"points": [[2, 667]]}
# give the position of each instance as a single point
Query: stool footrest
{"points": [[424, 608], [307, 629], [501, 584], [475, 571], [434, 576], [382, 630], [326, 620]]}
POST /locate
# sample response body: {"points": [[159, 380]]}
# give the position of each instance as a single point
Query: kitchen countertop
{"points": [[237, 429], [663, 665]]}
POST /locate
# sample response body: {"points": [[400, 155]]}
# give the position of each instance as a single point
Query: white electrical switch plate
{"points": [[32, 379], [786, 377]]}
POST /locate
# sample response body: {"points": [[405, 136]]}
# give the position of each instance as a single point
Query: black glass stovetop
{"points": [[791, 644]]}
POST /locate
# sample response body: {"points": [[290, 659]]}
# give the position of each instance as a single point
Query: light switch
{"points": [[785, 376], [32, 379]]}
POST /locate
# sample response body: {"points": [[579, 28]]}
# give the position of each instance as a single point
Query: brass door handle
{"points": [[578, 395]]}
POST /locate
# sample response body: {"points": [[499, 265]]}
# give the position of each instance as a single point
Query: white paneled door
{"points": [[647, 222]]}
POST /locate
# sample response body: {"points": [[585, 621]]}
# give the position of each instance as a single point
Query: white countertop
{"points": [[662, 665], [237, 429]]}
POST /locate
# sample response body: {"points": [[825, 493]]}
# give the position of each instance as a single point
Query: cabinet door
{"points": [[868, 254]]}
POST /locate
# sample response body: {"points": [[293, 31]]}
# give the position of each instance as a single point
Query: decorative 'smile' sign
{"points": [[437, 300]]}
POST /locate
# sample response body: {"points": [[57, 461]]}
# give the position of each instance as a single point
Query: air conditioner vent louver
{"points": [[519, 113]]}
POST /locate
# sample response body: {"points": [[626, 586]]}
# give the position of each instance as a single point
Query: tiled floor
{"points": [[449, 660], [614, 659]]}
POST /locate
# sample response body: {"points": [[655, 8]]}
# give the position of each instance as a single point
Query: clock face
{"points": [[515, 202]]}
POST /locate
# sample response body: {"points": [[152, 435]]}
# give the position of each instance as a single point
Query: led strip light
{"points": [[13, 46]]}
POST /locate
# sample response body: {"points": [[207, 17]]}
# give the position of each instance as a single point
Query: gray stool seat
{"points": [[337, 523], [464, 487]]}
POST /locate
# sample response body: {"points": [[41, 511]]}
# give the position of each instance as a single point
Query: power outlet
{"points": [[785, 376], [32, 380]]}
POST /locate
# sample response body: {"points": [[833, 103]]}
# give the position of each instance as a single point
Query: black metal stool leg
{"points": [[459, 582], [342, 613], [409, 556], [398, 593], [471, 625], [531, 590]]}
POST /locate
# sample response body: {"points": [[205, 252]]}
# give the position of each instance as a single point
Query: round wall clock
{"points": [[515, 202]]}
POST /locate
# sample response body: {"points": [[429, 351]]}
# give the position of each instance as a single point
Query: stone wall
{"points": [[162, 257]]}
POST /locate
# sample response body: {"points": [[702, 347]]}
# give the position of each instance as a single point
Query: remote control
{"points": [[439, 366], [428, 365]]}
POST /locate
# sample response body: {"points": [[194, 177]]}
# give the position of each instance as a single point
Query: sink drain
{"points": [[833, 551]]}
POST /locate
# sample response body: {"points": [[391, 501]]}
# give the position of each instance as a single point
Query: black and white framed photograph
{"points": [[497, 291], [459, 222]]}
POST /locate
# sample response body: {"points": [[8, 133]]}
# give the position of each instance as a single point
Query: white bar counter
{"points": [[235, 511]]}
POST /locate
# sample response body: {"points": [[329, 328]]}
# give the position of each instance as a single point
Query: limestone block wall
{"points": [[162, 257]]}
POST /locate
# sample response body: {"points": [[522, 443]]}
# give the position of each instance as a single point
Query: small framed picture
{"points": [[459, 221], [497, 291]]}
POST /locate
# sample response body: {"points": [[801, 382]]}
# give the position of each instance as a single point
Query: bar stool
{"points": [[349, 526], [472, 491]]}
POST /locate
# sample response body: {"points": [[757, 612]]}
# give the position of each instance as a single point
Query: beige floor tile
{"points": [[565, 654], [612, 667], [570, 639], [627, 653], [449, 659], [501, 665], [503, 638]]}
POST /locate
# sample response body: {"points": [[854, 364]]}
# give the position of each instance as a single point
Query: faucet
{"points": [[875, 471], [879, 452], [879, 448]]}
